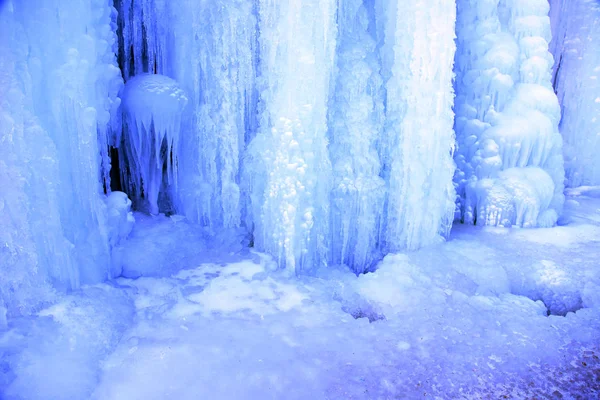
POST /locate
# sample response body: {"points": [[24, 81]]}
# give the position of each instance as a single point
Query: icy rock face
{"points": [[153, 105], [58, 87], [509, 159], [418, 139], [576, 44]]}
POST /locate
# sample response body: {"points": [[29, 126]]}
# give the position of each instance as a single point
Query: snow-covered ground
{"points": [[492, 313]]}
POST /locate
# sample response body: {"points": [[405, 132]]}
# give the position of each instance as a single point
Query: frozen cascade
{"points": [[576, 48], [152, 108], [59, 85], [509, 158], [418, 138], [355, 124], [289, 169]]}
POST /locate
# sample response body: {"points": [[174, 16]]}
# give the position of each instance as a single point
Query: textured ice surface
{"points": [[418, 139], [577, 82], [356, 120], [287, 132], [464, 319], [288, 170], [58, 87], [160, 246], [509, 157], [152, 109]]}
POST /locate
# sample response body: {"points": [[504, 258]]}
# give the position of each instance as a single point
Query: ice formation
{"points": [[577, 82], [289, 168], [418, 139], [291, 137], [356, 119], [509, 157], [259, 139], [323, 128], [58, 86], [152, 109]]}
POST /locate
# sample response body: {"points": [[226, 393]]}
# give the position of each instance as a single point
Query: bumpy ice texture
{"points": [[509, 158]]}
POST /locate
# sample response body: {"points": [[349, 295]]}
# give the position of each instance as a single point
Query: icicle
{"points": [[153, 105], [59, 86]]}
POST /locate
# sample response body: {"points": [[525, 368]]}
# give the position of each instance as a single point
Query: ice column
{"points": [[509, 158], [288, 169], [577, 83], [418, 139], [59, 84], [355, 125]]}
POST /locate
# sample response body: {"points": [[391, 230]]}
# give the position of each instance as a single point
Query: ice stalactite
{"points": [[59, 85], [152, 109], [144, 36], [289, 170], [510, 165], [355, 125], [576, 50], [418, 139]]}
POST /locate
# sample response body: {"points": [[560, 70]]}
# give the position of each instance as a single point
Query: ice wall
{"points": [[576, 49], [58, 86], [509, 159], [418, 139]]}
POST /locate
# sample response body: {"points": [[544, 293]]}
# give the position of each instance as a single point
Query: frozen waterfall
{"points": [[323, 128]]}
